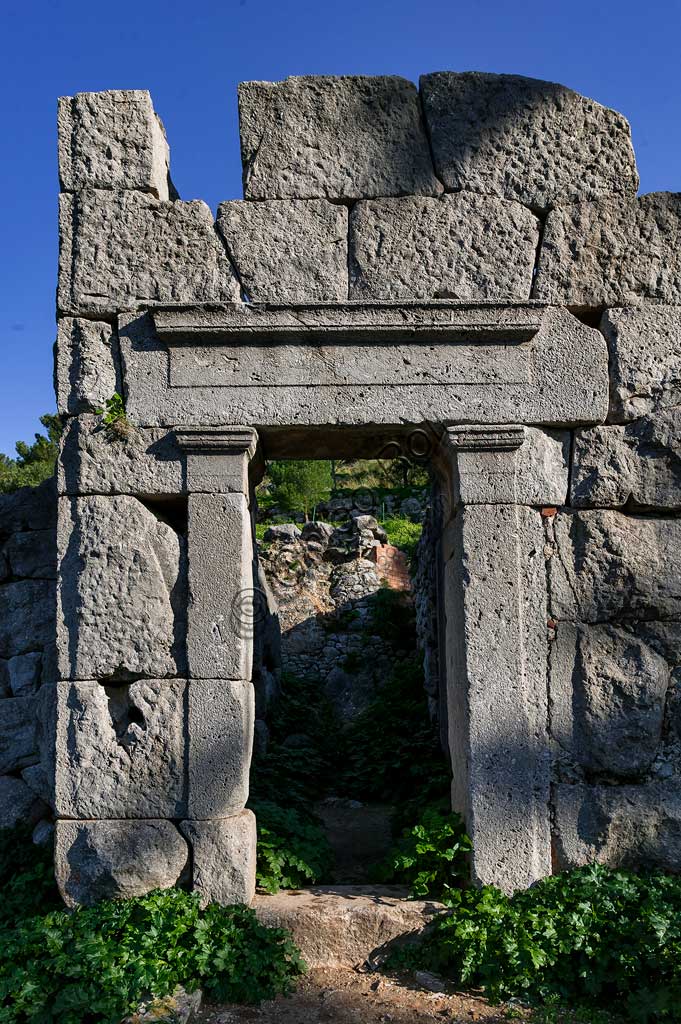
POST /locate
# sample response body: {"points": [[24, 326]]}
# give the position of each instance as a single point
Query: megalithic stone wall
{"points": [[483, 259]]}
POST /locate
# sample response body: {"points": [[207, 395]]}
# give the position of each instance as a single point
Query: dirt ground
{"points": [[341, 996]]}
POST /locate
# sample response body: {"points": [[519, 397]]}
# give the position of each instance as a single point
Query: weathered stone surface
{"points": [[126, 250], [118, 751], [26, 616], [111, 140], [495, 609], [521, 138], [220, 582], [290, 251], [461, 246], [96, 860], [340, 138], [638, 463], [343, 926], [31, 555], [24, 674], [621, 826], [18, 804], [612, 253], [95, 460], [223, 855], [18, 733], [119, 591], [29, 508], [558, 375], [604, 565], [86, 370], [645, 359], [220, 716], [608, 689], [35, 776]]}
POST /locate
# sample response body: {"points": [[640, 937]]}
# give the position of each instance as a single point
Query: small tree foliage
{"points": [[34, 462], [300, 484]]}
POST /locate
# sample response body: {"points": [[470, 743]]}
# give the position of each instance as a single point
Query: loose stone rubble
{"points": [[468, 265]]}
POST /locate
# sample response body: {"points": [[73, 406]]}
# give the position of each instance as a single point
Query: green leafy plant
{"points": [[403, 534], [431, 857], [26, 876], [592, 937], [34, 462], [98, 964], [293, 850], [298, 485]]}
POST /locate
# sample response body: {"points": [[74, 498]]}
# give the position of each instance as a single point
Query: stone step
{"points": [[345, 925]]}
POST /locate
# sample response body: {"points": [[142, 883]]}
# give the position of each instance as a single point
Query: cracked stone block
{"points": [[333, 137], [220, 728], [525, 139], [18, 733], [608, 689], [460, 246], [32, 554], [118, 751], [288, 251], [224, 856], [620, 826], [637, 463], [615, 252], [18, 804], [604, 565], [96, 860], [24, 674], [86, 365], [120, 591], [127, 250], [645, 359], [110, 140], [26, 616], [94, 460]]}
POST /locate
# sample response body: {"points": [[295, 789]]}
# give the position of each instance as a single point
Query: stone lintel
{"points": [[217, 458]]}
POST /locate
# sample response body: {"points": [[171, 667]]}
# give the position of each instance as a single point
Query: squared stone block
{"points": [[535, 473], [27, 616], [120, 590], [116, 751], [87, 371], [334, 137], [127, 250], [220, 578], [460, 246], [521, 138], [112, 139], [220, 717], [97, 860], [645, 360], [32, 555], [288, 251], [224, 858], [18, 733]]}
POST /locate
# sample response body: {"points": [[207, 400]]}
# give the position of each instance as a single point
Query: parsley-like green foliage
{"points": [[97, 964], [591, 937], [293, 850], [26, 877], [113, 411], [34, 462], [431, 857]]}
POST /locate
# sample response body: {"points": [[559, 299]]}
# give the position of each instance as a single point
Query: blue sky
{"points": [[192, 55]]}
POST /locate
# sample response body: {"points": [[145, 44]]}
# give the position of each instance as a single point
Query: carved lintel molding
{"points": [[218, 440], [218, 458], [481, 463], [474, 437]]}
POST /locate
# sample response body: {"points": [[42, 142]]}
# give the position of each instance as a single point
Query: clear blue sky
{"points": [[191, 57]]}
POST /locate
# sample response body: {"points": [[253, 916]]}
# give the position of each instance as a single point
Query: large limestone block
{"points": [[86, 370], [636, 463], [126, 250], [18, 804], [32, 554], [120, 591], [18, 733], [608, 689], [340, 927], [220, 717], [118, 751], [29, 508], [459, 247], [94, 460], [615, 252], [620, 826], [224, 856], [645, 359], [340, 138], [295, 251], [521, 138], [604, 565], [96, 860], [26, 616], [111, 140]]}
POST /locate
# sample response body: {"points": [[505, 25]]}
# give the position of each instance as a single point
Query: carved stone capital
{"points": [[218, 440], [217, 458], [472, 437], [481, 461]]}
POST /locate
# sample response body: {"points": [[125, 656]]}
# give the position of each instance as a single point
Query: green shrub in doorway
{"points": [[293, 850], [431, 857]]}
